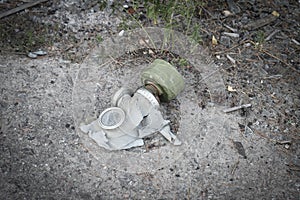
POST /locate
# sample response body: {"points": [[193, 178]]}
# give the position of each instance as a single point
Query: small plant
{"points": [[259, 39], [195, 34], [161, 9], [30, 39], [99, 38], [177, 15], [183, 62], [102, 4]]}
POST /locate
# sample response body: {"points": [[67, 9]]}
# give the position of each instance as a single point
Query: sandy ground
{"points": [[248, 154], [44, 158]]}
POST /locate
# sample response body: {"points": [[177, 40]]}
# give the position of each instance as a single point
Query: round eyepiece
{"points": [[111, 118]]}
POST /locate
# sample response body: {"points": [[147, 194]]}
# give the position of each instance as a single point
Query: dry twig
{"points": [[289, 66], [22, 7], [261, 22], [237, 108], [273, 56]]}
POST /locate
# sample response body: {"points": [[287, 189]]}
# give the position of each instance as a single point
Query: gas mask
{"points": [[136, 115]]}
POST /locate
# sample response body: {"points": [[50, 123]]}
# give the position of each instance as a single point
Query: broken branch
{"points": [[22, 7], [237, 108], [261, 22]]}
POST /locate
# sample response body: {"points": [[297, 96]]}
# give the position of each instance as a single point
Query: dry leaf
{"points": [[214, 40], [150, 51], [143, 42], [275, 13], [131, 10]]}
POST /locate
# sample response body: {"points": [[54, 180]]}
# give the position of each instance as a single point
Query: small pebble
{"points": [[40, 53], [247, 44], [227, 13], [235, 35], [32, 55], [121, 33]]}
